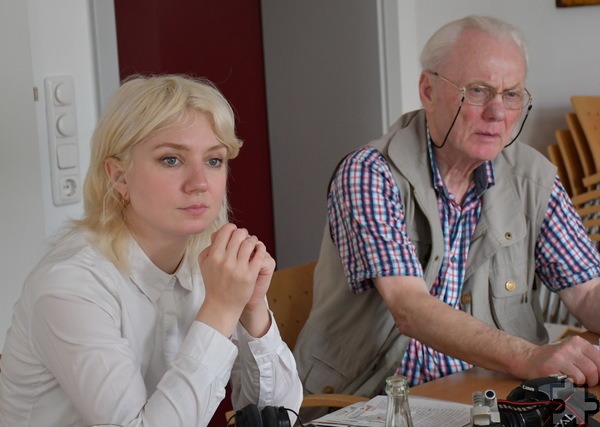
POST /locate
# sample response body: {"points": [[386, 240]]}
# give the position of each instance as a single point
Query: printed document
{"points": [[425, 412]]}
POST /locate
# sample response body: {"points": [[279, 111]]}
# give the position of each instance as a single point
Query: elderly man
{"points": [[441, 233]]}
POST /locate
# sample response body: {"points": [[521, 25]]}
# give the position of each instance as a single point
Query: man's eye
{"points": [[170, 161], [479, 90], [513, 94]]}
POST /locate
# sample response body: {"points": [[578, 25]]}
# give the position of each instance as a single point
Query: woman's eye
{"points": [[215, 162], [170, 161]]}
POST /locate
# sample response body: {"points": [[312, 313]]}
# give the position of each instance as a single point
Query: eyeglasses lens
{"points": [[481, 95]]}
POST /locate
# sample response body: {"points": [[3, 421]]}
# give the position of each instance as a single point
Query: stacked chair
{"points": [[576, 154], [578, 160]]}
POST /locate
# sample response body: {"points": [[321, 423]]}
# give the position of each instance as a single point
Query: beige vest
{"points": [[350, 343]]}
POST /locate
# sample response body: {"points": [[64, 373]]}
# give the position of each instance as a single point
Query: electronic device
{"points": [[270, 416], [552, 401]]}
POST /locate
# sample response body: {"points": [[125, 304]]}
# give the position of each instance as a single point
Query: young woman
{"points": [[152, 302]]}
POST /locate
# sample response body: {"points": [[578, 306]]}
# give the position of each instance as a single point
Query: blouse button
{"points": [[510, 285], [508, 235]]}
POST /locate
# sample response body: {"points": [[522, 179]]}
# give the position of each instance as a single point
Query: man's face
{"points": [[481, 131]]}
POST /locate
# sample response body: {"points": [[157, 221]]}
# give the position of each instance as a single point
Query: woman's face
{"points": [[176, 182]]}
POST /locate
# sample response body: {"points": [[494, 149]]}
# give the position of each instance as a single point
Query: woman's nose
{"points": [[196, 181]]}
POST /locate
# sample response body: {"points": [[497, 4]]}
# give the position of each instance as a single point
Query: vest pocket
{"points": [[314, 384], [510, 301]]}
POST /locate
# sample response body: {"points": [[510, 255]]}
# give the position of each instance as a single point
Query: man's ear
{"points": [[426, 91], [116, 175]]}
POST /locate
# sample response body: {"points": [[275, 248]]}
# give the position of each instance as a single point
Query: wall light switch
{"points": [[62, 139]]}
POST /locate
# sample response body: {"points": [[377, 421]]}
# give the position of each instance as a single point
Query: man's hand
{"points": [[574, 357]]}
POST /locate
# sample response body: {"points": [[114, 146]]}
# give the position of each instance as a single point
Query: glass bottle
{"points": [[398, 411]]}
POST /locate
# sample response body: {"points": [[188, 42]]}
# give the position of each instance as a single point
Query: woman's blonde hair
{"points": [[142, 107]]}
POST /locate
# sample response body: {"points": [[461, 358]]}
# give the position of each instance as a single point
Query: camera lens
{"points": [[527, 416]]}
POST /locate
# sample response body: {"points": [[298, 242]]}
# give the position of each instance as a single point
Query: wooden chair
{"points": [[587, 109], [555, 157], [571, 160], [581, 144], [290, 299], [587, 118]]}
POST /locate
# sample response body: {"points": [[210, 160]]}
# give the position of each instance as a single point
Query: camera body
{"points": [[550, 401]]}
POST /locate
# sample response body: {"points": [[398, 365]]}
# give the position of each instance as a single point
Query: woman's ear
{"points": [[116, 175]]}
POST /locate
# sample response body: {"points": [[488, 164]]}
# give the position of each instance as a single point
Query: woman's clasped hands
{"points": [[237, 271]]}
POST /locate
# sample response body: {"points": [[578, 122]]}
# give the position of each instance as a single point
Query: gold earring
{"points": [[124, 200]]}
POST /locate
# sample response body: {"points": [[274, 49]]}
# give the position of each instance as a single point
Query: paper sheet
{"points": [[425, 412]]}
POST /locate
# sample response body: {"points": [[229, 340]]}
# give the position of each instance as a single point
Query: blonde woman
{"points": [[152, 302]]}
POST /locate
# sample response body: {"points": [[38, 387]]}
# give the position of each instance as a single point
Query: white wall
{"points": [[41, 38], [21, 204]]}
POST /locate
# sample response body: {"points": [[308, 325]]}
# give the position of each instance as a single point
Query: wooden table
{"points": [[459, 387]]}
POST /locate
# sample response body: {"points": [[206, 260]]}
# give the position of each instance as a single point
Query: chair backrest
{"points": [[581, 144], [556, 158], [587, 109], [290, 299], [571, 160]]}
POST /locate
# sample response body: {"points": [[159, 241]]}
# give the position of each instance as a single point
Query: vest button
{"points": [[328, 389], [508, 235], [466, 298], [510, 285]]}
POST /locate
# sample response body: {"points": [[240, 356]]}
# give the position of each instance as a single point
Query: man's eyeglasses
{"points": [[513, 99]]}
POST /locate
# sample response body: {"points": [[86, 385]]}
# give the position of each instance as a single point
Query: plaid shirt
{"points": [[366, 219]]}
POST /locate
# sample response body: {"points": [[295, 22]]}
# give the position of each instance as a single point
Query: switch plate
{"points": [[63, 140]]}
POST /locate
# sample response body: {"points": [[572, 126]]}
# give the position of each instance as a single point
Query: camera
{"points": [[552, 401]]}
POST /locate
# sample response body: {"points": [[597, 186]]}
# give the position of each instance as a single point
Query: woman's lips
{"points": [[195, 209]]}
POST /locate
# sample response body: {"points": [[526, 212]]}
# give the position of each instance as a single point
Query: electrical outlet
{"points": [[69, 188], [63, 142]]}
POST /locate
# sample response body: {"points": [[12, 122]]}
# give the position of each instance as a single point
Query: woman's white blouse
{"points": [[90, 345]]}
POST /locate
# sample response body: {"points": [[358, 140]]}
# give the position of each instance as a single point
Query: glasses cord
{"points": [[452, 125], [522, 124]]}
